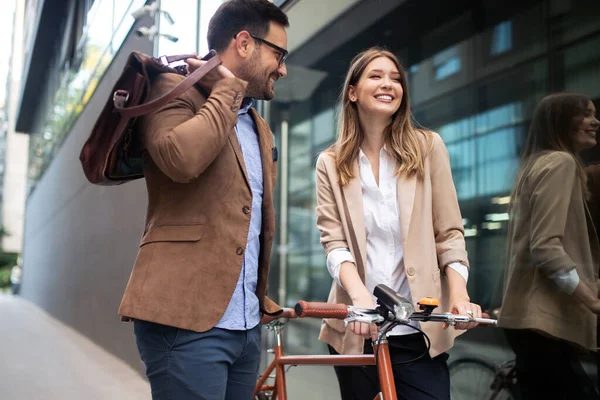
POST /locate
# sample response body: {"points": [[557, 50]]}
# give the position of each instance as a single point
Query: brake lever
{"points": [[359, 318], [365, 315]]}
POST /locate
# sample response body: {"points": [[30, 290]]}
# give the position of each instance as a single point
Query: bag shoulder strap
{"points": [[120, 97]]}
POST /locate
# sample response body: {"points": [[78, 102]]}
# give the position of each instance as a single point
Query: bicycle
{"points": [[476, 379], [391, 310]]}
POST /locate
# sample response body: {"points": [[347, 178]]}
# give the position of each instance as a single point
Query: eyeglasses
{"points": [[283, 53]]}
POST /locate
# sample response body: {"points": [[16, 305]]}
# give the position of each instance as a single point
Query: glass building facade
{"points": [[475, 72], [92, 38]]}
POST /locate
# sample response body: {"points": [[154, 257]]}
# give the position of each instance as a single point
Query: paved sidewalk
{"points": [[43, 359]]}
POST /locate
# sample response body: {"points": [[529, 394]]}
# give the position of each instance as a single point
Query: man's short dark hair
{"points": [[234, 16]]}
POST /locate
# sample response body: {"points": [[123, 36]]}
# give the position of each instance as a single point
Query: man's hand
{"points": [[214, 76]]}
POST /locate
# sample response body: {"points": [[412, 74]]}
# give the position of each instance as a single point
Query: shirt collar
{"points": [[247, 103], [384, 150]]}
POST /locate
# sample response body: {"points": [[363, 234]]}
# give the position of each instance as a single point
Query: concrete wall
{"points": [[81, 240]]}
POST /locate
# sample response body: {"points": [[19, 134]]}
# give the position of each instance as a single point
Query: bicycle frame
{"points": [[384, 367]]}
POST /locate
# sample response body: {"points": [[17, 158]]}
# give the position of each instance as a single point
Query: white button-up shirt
{"points": [[384, 234]]}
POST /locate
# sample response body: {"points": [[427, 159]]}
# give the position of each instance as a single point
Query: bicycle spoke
{"points": [[472, 380]]}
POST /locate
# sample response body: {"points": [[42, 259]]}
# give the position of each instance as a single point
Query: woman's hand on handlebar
{"points": [[464, 307], [361, 328]]}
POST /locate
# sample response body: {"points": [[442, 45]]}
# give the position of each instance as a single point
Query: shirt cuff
{"points": [[335, 258], [567, 281], [461, 269]]}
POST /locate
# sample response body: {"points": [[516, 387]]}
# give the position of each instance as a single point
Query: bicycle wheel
{"points": [[471, 379]]}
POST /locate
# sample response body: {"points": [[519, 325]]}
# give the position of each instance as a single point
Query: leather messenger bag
{"points": [[112, 155]]}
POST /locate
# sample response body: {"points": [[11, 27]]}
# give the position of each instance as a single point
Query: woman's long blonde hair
{"points": [[402, 139]]}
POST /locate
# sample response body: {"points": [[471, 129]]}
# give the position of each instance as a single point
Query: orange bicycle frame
{"points": [[280, 361]]}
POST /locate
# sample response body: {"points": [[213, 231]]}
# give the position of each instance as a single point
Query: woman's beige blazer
{"points": [[432, 237]]}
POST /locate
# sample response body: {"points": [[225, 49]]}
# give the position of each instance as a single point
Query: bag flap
{"points": [[174, 233]]}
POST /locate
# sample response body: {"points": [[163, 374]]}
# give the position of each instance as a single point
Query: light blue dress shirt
{"points": [[243, 311]]}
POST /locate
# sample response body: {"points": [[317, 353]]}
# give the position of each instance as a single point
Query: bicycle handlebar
{"points": [[349, 313], [321, 310], [453, 319]]}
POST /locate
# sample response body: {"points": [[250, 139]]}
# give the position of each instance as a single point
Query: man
{"points": [[198, 285]]}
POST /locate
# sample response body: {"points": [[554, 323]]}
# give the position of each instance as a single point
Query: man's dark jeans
{"points": [[215, 365]]}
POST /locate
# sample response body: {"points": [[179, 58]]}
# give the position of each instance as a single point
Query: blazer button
{"points": [[246, 210], [410, 271], [240, 251]]}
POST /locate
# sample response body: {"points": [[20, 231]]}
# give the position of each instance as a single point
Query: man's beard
{"points": [[258, 87]]}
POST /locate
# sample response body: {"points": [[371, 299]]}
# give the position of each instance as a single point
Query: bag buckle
{"points": [[120, 98], [164, 60]]}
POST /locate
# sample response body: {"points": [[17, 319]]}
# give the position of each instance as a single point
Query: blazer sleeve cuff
{"points": [[452, 256], [270, 307], [230, 93], [551, 265], [332, 245]]}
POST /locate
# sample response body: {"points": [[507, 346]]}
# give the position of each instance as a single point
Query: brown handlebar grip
{"points": [[321, 310]]}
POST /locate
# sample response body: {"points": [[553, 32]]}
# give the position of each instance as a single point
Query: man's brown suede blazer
{"points": [[191, 252]]}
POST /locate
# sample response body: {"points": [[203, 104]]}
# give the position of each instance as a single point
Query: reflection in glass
{"points": [[446, 63], [103, 36], [502, 38]]}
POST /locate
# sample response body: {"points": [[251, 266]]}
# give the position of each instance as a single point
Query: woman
{"points": [[549, 305], [388, 213]]}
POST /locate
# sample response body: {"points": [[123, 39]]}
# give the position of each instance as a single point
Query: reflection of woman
{"points": [[549, 305], [388, 213]]}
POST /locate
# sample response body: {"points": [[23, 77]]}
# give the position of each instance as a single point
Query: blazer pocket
{"points": [[174, 233]]}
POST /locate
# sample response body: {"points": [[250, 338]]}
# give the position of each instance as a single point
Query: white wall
{"points": [[81, 240]]}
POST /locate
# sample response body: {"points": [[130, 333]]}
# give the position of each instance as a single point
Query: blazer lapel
{"points": [[352, 193], [406, 198], [235, 144]]}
